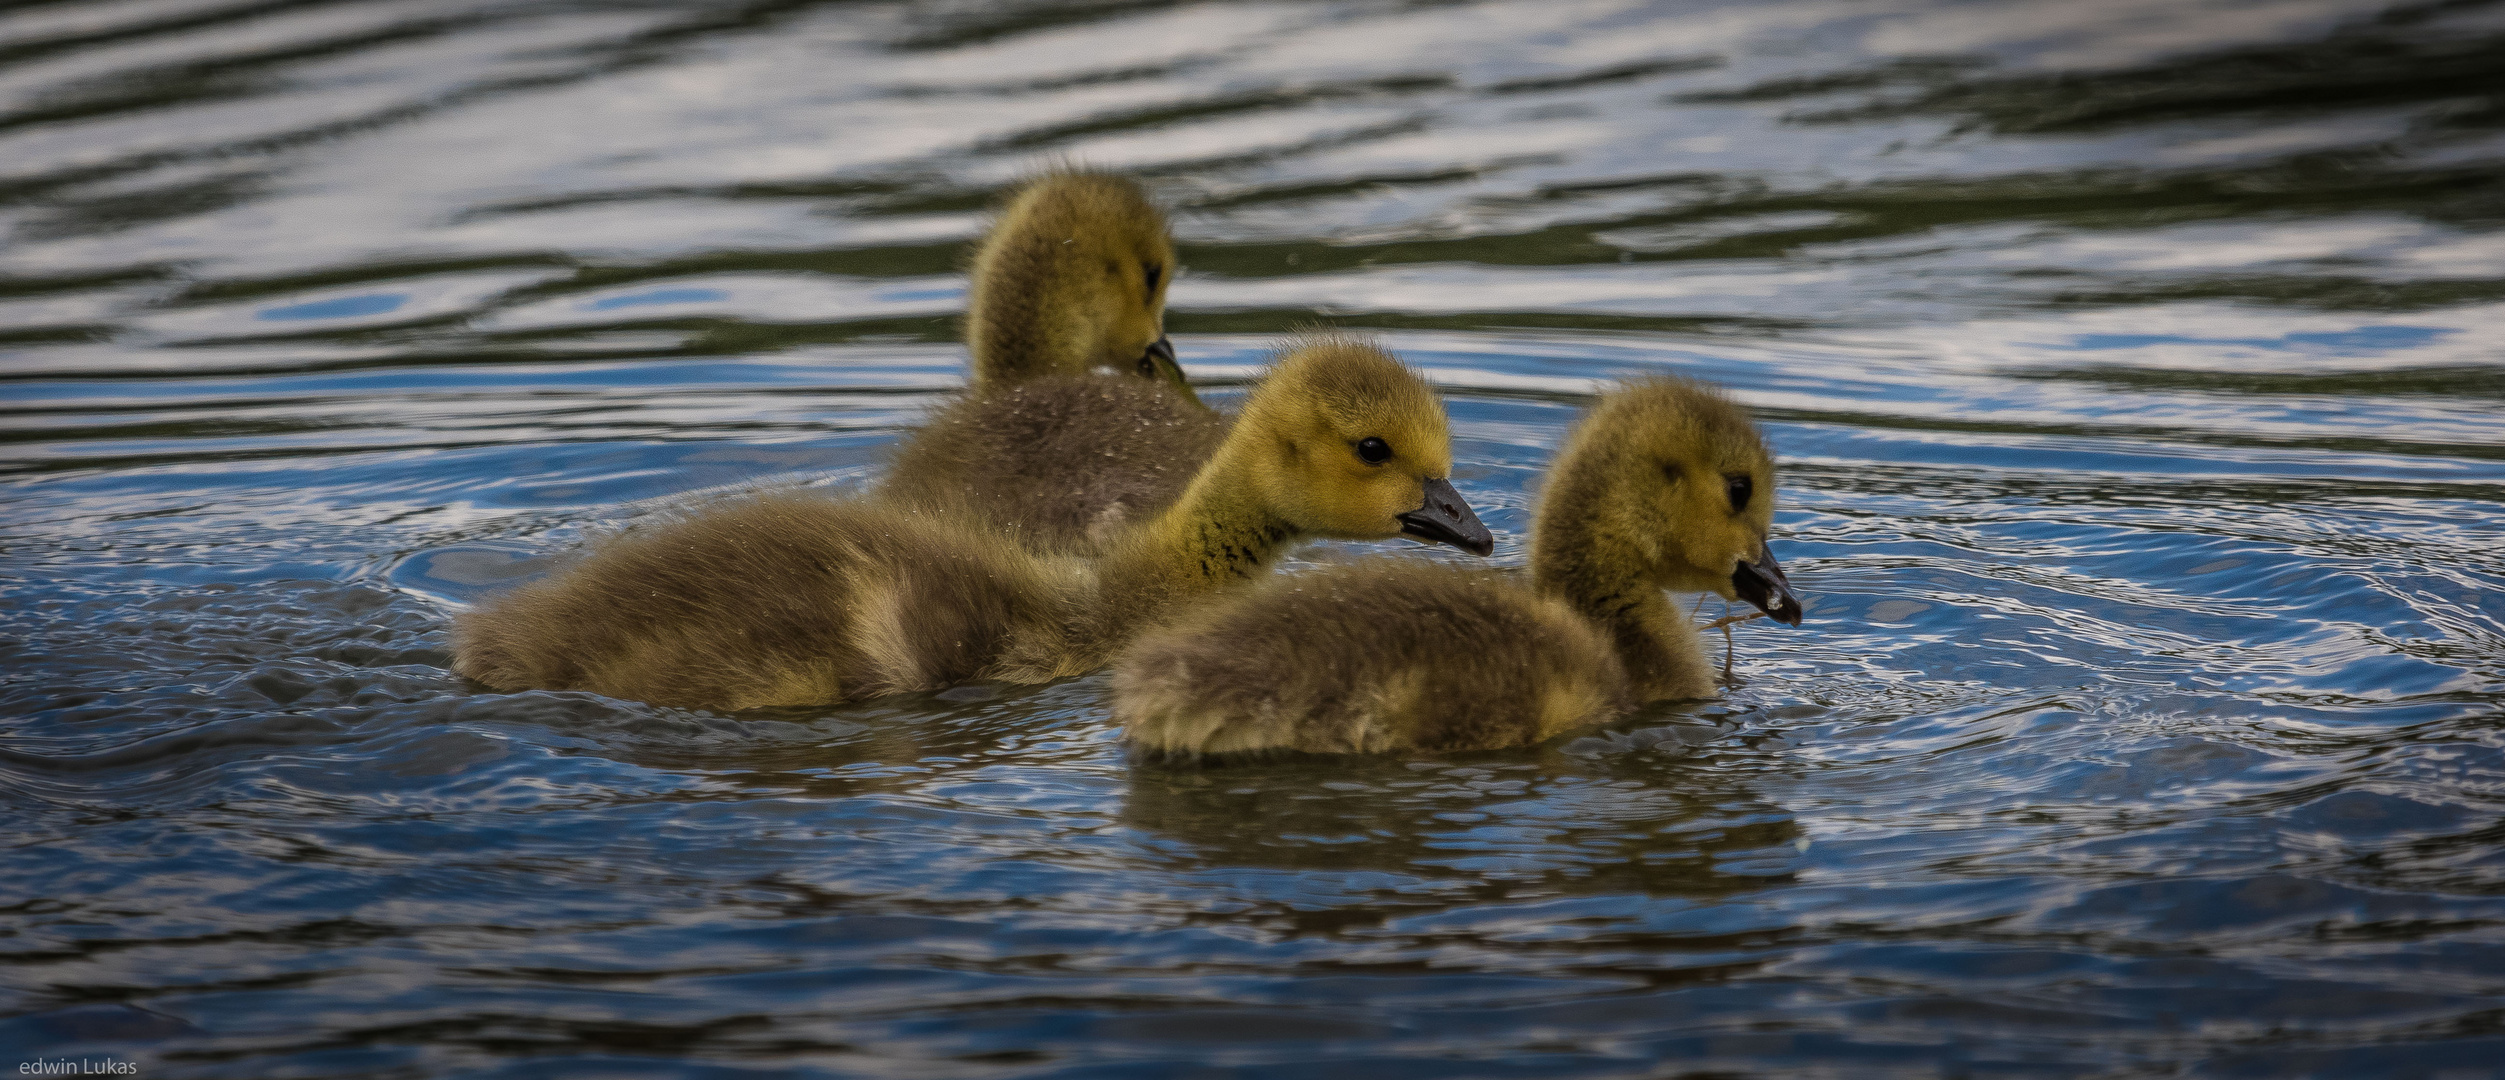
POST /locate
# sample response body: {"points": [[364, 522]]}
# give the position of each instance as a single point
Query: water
{"points": [[2135, 366]]}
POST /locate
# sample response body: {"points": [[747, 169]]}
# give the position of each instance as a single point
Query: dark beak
{"points": [[1762, 583], [1446, 519], [1158, 363]]}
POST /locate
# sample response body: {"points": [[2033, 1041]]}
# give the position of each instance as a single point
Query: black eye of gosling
{"points": [[1740, 488], [1374, 450], [1154, 271]]}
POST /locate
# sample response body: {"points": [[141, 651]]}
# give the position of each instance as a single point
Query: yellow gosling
{"points": [[1666, 485], [800, 600], [1072, 280], [1069, 286]]}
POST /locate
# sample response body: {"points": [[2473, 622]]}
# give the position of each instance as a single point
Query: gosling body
{"points": [[1062, 463], [1068, 288], [781, 600], [800, 600], [1665, 485], [1309, 667]]}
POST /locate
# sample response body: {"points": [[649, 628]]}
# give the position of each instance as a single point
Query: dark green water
{"points": [[2138, 368]]}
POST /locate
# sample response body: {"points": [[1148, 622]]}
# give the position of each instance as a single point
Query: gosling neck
{"points": [[1577, 556], [1220, 533], [1011, 325]]}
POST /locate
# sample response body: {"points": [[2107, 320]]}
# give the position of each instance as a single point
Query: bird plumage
{"points": [[1068, 287], [1072, 278], [1665, 485], [789, 599], [1063, 462]]}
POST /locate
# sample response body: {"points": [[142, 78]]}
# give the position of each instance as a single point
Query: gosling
{"points": [[1072, 280], [1666, 485], [788, 600], [1068, 287]]}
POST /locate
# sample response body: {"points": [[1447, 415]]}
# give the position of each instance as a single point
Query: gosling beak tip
{"points": [[1762, 583], [1446, 518], [1158, 362]]}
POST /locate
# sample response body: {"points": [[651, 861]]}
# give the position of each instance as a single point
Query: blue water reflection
{"points": [[346, 307], [658, 296], [2363, 341]]}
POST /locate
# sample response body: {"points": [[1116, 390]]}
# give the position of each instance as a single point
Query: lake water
{"points": [[2138, 368]]}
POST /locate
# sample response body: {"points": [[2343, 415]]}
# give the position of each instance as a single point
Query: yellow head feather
{"points": [[1072, 279]]}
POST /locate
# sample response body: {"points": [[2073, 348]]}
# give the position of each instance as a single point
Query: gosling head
{"points": [[1071, 280], [1349, 443], [1677, 473]]}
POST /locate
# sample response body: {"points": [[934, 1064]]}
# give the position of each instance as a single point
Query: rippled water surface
{"points": [[2138, 367]]}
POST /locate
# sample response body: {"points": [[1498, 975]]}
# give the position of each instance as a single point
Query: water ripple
{"points": [[2133, 367]]}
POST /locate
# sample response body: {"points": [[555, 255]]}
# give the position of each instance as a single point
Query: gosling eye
{"points": [[1739, 488], [1154, 272], [1374, 450]]}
